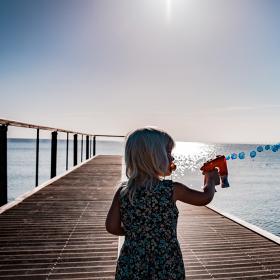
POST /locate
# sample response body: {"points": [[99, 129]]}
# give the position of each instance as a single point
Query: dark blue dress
{"points": [[151, 250]]}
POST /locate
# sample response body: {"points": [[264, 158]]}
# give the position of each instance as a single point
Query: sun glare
{"points": [[189, 148], [191, 155], [168, 10]]}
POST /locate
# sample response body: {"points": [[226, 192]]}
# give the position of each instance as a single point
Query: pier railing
{"points": [[90, 150]]}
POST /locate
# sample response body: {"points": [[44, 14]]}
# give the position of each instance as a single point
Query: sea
{"points": [[253, 195]]}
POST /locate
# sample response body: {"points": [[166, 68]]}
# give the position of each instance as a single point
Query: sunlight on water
{"points": [[253, 181], [190, 156]]}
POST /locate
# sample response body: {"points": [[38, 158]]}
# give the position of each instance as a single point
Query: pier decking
{"points": [[59, 233]]}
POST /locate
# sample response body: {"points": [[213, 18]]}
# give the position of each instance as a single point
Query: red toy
{"points": [[219, 162]]}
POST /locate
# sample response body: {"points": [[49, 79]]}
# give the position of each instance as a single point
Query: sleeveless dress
{"points": [[151, 250]]}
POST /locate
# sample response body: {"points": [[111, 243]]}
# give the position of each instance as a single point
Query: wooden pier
{"points": [[59, 233]]}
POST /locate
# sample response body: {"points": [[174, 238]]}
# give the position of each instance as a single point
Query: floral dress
{"points": [[151, 250]]}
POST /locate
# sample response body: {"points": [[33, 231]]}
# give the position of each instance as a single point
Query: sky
{"points": [[204, 71]]}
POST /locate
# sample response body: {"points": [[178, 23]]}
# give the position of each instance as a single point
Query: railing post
{"points": [[94, 146], [90, 147], [67, 147], [75, 152], [87, 147], [3, 165], [82, 142], [37, 159], [53, 154]]}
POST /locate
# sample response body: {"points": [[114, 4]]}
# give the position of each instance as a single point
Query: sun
{"points": [[168, 9]]}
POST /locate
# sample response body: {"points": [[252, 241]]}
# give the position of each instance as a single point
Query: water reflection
{"points": [[190, 156], [254, 194]]}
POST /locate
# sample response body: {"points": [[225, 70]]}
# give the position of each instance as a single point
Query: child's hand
{"points": [[211, 178]]}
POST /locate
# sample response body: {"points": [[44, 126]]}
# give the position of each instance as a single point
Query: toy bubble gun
{"points": [[220, 163]]}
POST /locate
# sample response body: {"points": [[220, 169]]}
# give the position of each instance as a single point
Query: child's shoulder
{"points": [[167, 182], [165, 185], [121, 187]]}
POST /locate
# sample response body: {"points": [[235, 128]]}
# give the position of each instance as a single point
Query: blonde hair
{"points": [[146, 158]]}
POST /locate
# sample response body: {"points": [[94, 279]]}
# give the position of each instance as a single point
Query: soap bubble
{"points": [[241, 155], [274, 148], [233, 156], [253, 154], [267, 147], [259, 148]]}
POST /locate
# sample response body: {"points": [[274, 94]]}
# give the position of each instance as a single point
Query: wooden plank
{"points": [[58, 232], [215, 247]]}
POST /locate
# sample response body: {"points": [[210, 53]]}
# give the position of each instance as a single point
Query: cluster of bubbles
{"points": [[242, 155]]}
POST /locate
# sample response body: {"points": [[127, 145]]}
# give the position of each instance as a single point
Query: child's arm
{"points": [[187, 195], [113, 220]]}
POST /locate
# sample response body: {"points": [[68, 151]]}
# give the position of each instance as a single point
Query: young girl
{"points": [[146, 206]]}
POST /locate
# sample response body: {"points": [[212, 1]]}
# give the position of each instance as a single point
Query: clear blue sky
{"points": [[202, 70]]}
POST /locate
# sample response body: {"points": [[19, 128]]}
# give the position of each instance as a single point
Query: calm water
{"points": [[22, 160], [254, 191], [253, 195]]}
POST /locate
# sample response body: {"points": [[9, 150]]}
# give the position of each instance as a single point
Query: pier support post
{"points": [[94, 146], [3, 165], [75, 151], [90, 147], [87, 147], [37, 159], [67, 148], [82, 146], [53, 154]]}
